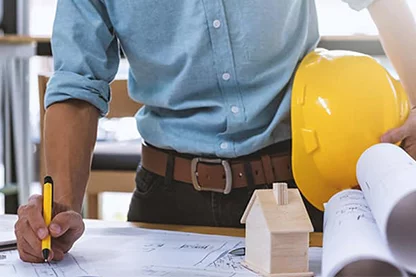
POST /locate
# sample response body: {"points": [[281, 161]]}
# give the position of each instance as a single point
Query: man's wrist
{"points": [[68, 192], [69, 202]]}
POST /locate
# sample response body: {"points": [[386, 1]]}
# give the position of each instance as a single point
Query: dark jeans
{"points": [[157, 201]]}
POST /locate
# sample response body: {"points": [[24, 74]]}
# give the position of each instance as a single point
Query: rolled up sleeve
{"points": [[359, 5], [86, 54]]}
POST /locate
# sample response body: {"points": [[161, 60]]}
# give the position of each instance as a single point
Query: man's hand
{"points": [[406, 134], [66, 227]]}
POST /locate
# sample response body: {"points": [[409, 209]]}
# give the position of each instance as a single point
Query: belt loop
{"points": [[248, 172], [268, 169], [170, 165]]}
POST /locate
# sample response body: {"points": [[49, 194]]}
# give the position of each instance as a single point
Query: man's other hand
{"points": [[406, 134]]}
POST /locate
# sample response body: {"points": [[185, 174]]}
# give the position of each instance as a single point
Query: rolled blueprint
{"points": [[387, 176], [352, 243]]}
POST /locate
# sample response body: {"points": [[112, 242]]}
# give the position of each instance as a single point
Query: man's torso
{"points": [[214, 75]]}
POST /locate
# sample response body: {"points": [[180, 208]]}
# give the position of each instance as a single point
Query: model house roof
{"points": [[290, 218]]}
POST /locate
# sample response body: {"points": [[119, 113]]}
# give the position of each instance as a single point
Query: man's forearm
{"points": [[69, 136], [397, 30]]}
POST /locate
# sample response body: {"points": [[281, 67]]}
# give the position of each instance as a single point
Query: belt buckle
{"points": [[227, 170]]}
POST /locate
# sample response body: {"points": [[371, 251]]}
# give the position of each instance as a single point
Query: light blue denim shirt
{"points": [[214, 75]]}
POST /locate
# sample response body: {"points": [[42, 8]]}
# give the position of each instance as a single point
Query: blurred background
{"points": [[25, 30]]}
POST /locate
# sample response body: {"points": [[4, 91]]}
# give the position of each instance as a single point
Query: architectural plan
{"points": [[12, 266], [139, 252]]}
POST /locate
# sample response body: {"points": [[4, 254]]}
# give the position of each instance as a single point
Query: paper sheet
{"points": [[387, 176], [161, 253], [136, 252], [352, 240], [210, 258], [141, 253], [12, 266], [7, 237]]}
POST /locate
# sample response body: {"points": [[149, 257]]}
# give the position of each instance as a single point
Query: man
{"points": [[215, 77]]}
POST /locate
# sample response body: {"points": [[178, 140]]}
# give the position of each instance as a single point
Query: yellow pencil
{"points": [[47, 214]]}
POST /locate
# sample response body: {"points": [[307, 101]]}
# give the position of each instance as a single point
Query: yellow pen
{"points": [[47, 214]]}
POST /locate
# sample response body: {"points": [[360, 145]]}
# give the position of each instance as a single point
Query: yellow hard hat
{"points": [[342, 102]]}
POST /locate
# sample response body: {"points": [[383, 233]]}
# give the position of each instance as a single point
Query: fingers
{"points": [[29, 245], [32, 212], [27, 253], [59, 249], [25, 232], [395, 135], [66, 227], [30, 229], [59, 255], [67, 223], [409, 145]]}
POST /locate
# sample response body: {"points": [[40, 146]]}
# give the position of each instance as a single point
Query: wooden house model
{"points": [[277, 232]]}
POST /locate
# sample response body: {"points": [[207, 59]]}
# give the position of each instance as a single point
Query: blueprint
{"points": [[163, 253], [12, 266], [138, 252]]}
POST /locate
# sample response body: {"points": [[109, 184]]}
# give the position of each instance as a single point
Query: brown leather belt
{"points": [[219, 175]]}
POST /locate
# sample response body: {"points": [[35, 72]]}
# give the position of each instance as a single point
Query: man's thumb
{"points": [[395, 135]]}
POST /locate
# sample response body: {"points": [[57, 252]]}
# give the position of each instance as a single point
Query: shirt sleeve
{"points": [[86, 54], [359, 5]]}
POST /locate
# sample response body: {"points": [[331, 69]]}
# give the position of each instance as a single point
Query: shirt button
{"points": [[224, 145], [235, 109], [226, 76], [216, 24]]}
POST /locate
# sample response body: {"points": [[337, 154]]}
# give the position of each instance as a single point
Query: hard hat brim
{"points": [[307, 177]]}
